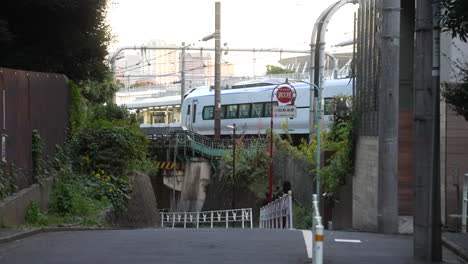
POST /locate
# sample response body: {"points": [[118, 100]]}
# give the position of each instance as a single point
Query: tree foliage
{"points": [[271, 69], [61, 36], [456, 94], [454, 18]]}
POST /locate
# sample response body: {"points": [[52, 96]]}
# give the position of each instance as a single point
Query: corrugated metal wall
{"points": [[368, 57], [32, 100]]}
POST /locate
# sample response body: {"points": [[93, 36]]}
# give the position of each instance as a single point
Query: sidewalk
{"points": [[373, 248], [457, 242]]}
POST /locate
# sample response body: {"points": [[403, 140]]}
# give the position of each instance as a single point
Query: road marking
{"points": [[348, 240], [307, 234]]}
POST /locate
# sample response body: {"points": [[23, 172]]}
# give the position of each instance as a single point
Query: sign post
{"points": [[286, 94]]}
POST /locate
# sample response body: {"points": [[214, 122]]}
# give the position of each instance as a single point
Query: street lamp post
{"points": [[233, 127], [318, 117]]}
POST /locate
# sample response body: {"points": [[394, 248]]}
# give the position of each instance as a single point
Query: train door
{"points": [[191, 114]]}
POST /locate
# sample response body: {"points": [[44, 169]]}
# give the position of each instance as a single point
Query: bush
{"points": [[34, 215], [111, 112], [112, 146], [61, 202], [302, 217]]}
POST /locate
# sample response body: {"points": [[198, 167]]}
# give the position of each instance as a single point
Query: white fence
{"points": [[465, 202], [195, 219], [317, 231], [277, 214]]}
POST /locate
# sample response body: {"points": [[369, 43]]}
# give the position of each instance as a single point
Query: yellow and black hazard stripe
{"points": [[167, 165]]}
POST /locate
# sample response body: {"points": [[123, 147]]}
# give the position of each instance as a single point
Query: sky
{"points": [[285, 24]]}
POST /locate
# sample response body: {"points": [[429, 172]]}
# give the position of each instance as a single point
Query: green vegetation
{"points": [[456, 94], [302, 217], [454, 18], [8, 178], [92, 169], [75, 42], [37, 156], [271, 69], [251, 169]]}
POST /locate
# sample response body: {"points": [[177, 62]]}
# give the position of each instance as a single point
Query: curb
{"points": [[31, 232], [23, 234], [460, 252]]}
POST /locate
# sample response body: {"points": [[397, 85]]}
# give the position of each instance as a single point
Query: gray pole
{"points": [[182, 74], [436, 213], [387, 206], [234, 166], [217, 84], [426, 133]]}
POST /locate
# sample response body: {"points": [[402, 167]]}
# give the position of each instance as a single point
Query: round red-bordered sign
{"points": [[285, 94]]}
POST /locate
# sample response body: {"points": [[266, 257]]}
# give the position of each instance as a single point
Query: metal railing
{"points": [[211, 218], [278, 214], [317, 232], [465, 202], [204, 145]]}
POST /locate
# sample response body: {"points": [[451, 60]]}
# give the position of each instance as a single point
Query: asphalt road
{"points": [[159, 246]]}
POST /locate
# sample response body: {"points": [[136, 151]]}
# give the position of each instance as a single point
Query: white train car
{"points": [[249, 108]]}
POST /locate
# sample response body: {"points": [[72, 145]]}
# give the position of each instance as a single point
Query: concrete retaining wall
{"points": [[365, 184], [13, 208]]}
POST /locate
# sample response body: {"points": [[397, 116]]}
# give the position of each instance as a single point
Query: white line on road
{"points": [[348, 240], [308, 241]]}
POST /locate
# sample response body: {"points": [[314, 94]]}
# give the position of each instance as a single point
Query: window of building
{"points": [[244, 110], [257, 110], [231, 111], [208, 113]]}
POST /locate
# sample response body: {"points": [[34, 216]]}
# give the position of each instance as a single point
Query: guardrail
{"points": [[465, 202], [317, 231], [277, 214], [195, 219]]}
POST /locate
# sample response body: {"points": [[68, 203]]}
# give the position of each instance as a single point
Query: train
{"points": [[248, 106]]}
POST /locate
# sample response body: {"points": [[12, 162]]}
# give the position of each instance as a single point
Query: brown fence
{"points": [[31, 100]]}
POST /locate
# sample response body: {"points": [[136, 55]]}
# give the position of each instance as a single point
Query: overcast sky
{"points": [[283, 24]]}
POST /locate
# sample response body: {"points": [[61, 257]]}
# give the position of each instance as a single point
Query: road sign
{"points": [[284, 111], [285, 94]]}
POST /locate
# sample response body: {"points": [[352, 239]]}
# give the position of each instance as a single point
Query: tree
{"points": [[271, 69], [456, 94], [62, 36], [454, 18]]}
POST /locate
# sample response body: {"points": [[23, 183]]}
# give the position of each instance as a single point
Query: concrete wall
{"points": [[196, 177], [297, 172], [13, 208], [365, 184]]}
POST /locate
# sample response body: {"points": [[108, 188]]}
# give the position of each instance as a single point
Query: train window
{"points": [[188, 110], [231, 111], [223, 112], [208, 113], [257, 110], [267, 112], [244, 111], [328, 106]]}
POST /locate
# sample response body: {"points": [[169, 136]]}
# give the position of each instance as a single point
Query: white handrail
{"points": [[278, 214], [207, 217], [465, 202]]}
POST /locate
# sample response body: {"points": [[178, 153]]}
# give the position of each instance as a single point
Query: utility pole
{"points": [[427, 236], [387, 202], [217, 84], [182, 74]]}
